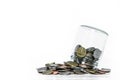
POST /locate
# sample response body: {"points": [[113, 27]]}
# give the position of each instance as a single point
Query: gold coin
{"points": [[81, 52], [72, 64]]}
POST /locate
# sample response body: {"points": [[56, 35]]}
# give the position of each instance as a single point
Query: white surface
{"points": [[28, 27], [75, 77]]}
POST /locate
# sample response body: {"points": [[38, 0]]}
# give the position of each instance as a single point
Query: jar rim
{"points": [[95, 29]]}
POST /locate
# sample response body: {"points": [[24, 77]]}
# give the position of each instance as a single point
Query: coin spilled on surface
{"points": [[84, 62]]}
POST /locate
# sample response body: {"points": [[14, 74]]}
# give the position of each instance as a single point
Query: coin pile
{"points": [[88, 56], [84, 62]]}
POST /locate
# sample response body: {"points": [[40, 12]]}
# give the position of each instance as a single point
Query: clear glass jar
{"points": [[88, 37]]}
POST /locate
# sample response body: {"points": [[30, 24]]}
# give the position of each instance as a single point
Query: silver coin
{"points": [[78, 46], [41, 70], [97, 53], [53, 65], [52, 68], [66, 73], [48, 72], [106, 70], [91, 49]]}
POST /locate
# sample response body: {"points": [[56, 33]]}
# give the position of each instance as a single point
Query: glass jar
{"points": [[89, 38]]}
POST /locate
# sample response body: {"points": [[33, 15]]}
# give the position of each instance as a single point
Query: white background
{"points": [[31, 31]]}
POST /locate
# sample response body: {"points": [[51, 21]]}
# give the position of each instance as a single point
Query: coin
{"points": [[90, 50], [66, 73], [47, 65], [97, 53], [50, 64], [106, 70], [101, 72], [89, 54], [52, 68], [64, 70], [41, 70], [71, 63], [48, 72], [78, 46], [62, 67], [80, 52], [53, 65], [92, 71], [83, 65], [78, 59], [55, 72], [83, 70], [79, 70]]}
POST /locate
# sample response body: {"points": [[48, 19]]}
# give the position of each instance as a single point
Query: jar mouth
{"points": [[95, 29]]}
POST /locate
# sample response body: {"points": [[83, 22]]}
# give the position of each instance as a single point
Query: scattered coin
{"points": [[83, 65], [106, 70], [91, 71], [66, 73], [41, 70], [55, 72], [101, 72], [71, 64], [62, 67], [48, 72]]}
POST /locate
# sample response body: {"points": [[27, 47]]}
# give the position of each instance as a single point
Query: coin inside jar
{"points": [[81, 52]]}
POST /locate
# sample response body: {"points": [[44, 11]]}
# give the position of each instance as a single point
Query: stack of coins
{"points": [[88, 56], [84, 62]]}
